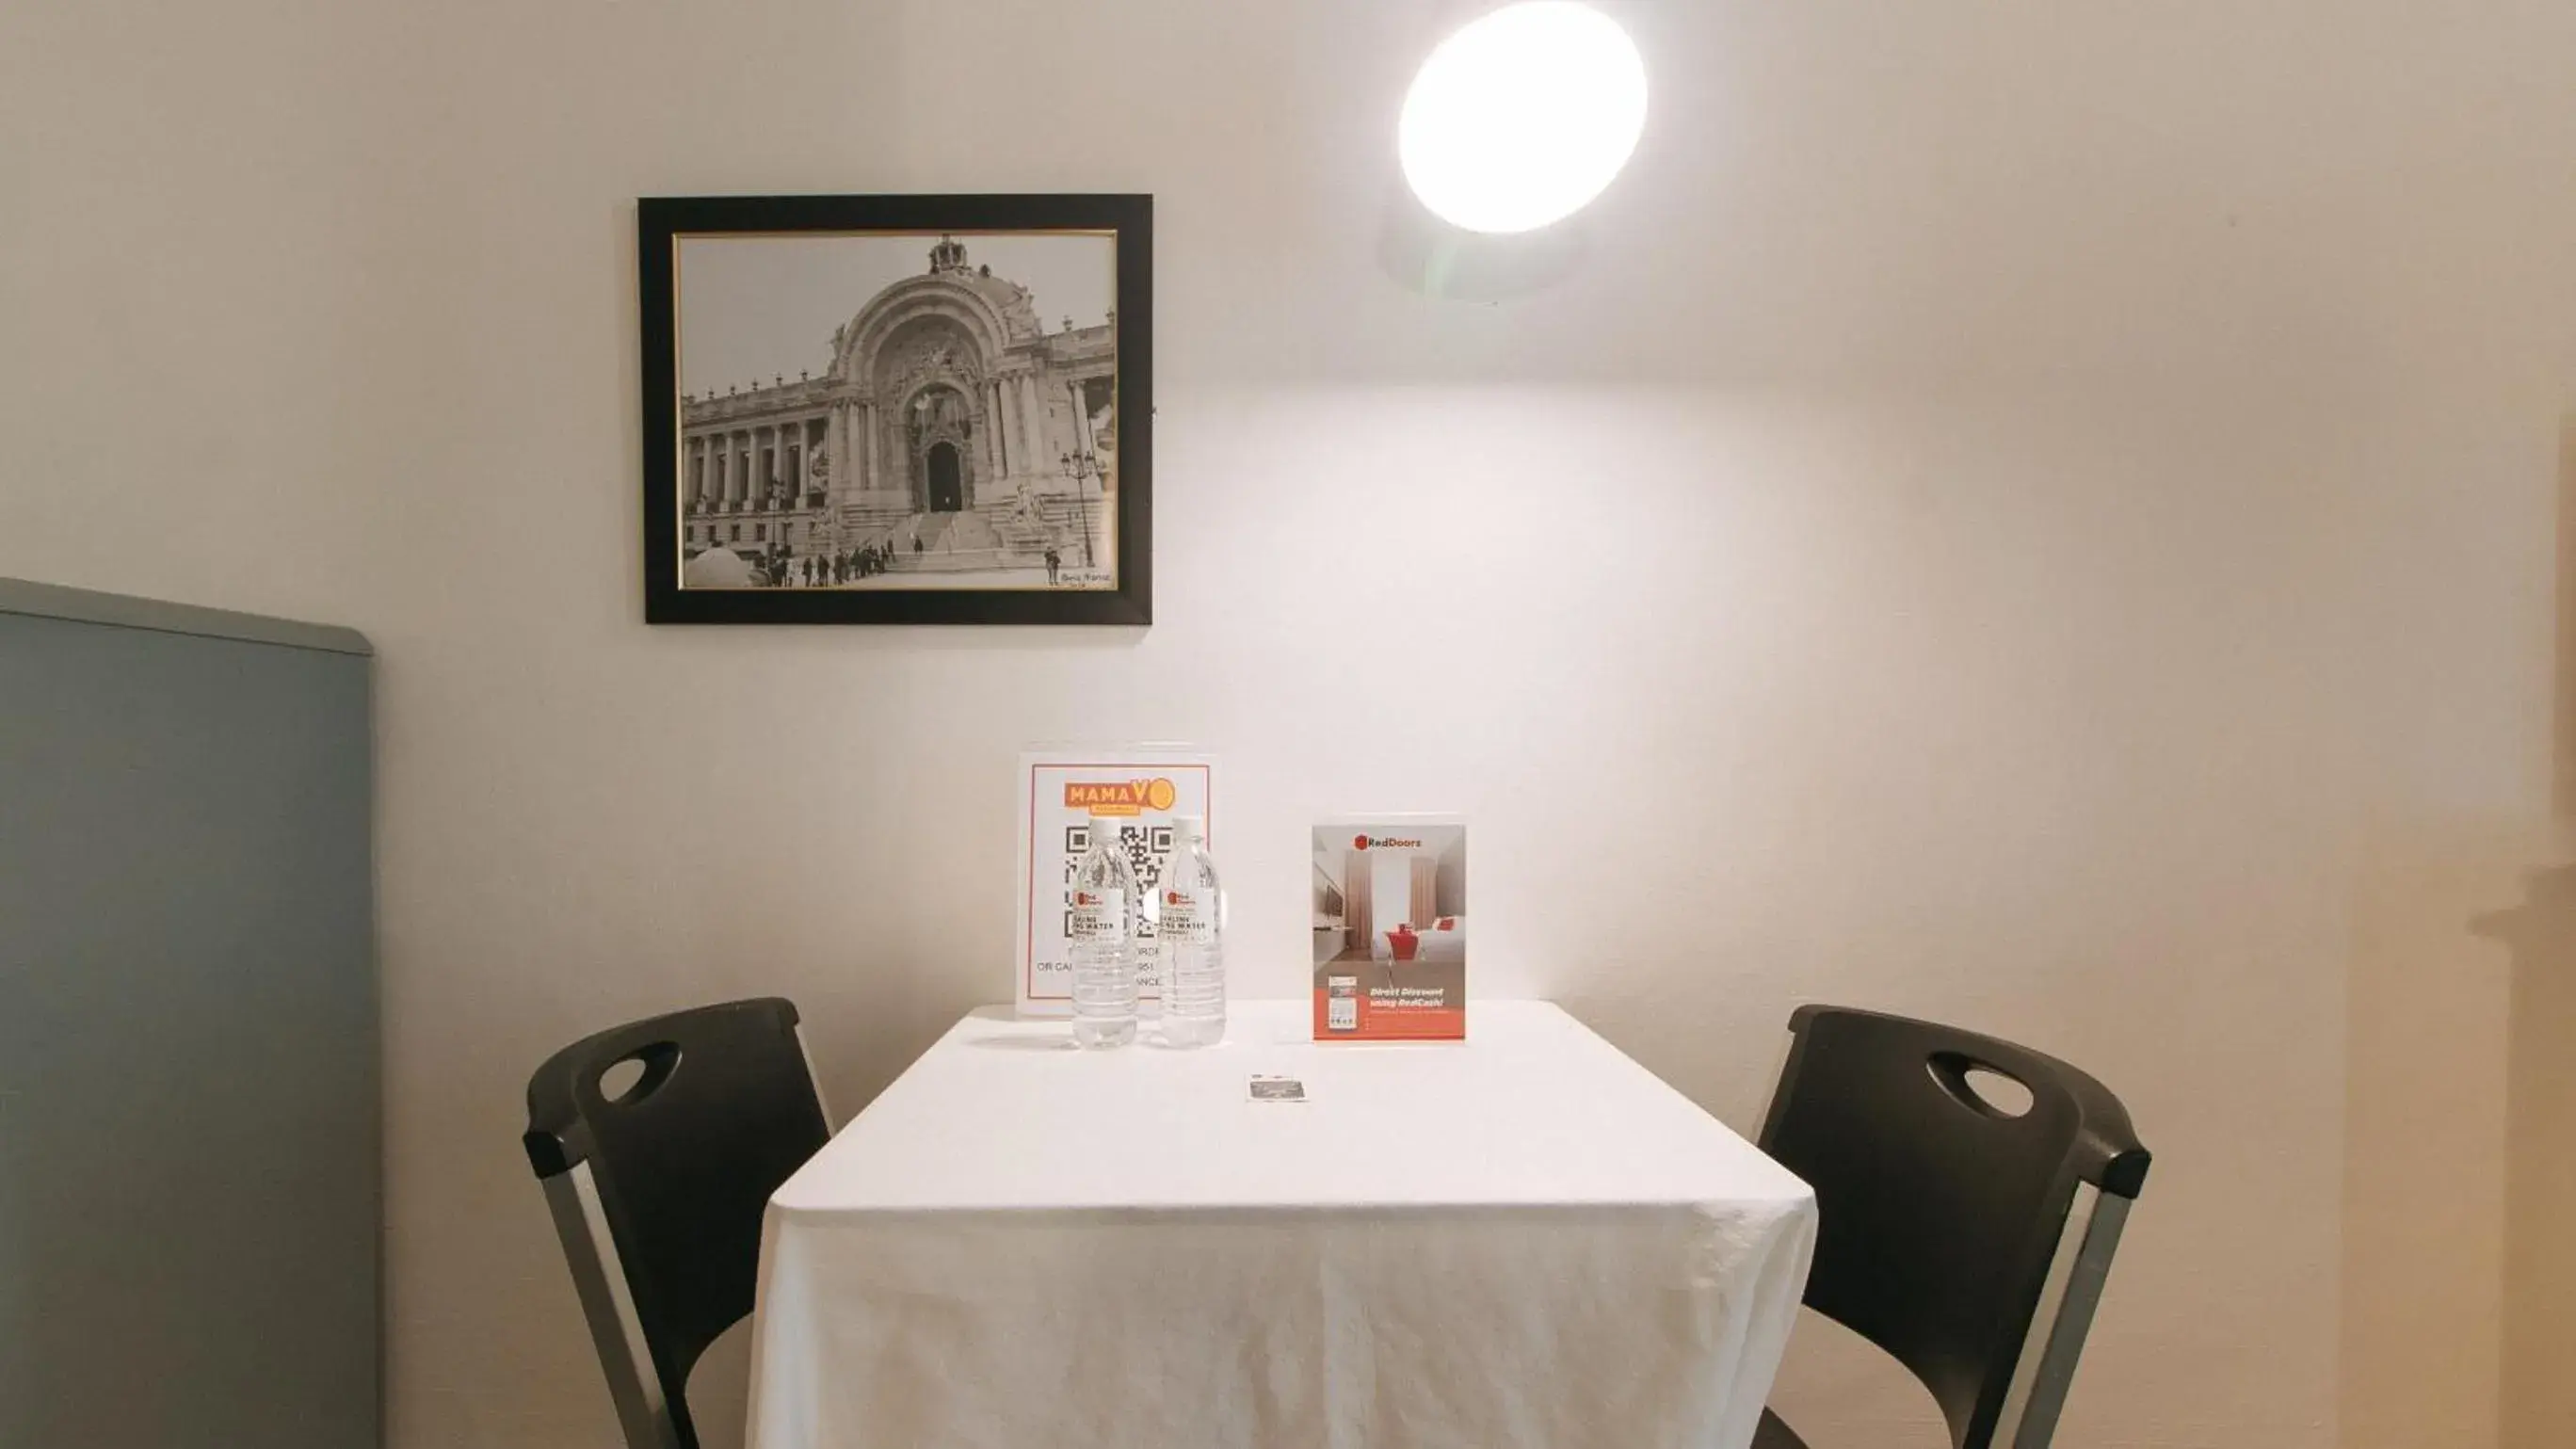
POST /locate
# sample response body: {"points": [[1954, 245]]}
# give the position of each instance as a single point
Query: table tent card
{"points": [[1390, 898], [1065, 795]]}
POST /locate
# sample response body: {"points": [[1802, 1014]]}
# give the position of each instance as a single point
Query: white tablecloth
{"points": [[1525, 1241]]}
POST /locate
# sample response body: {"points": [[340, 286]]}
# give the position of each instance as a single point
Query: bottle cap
{"points": [[1189, 827]]}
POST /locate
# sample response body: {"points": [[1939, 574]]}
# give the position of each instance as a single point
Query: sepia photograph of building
{"points": [[898, 411]]}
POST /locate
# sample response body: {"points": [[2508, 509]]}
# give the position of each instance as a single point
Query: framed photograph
{"points": [[897, 409]]}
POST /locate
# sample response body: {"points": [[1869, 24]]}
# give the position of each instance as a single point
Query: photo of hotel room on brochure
{"points": [[1390, 911], [1066, 795]]}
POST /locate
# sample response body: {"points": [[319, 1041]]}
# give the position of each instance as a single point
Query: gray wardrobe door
{"points": [[189, 1101]]}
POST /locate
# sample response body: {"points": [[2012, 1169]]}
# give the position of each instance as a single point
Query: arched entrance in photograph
{"points": [[941, 427], [947, 491]]}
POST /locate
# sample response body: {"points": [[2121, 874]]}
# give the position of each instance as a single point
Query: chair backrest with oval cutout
{"points": [[683, 1125], [1942, 1206]]}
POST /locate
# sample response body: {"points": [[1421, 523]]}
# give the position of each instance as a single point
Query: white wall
{"points": [[2019, 495]]}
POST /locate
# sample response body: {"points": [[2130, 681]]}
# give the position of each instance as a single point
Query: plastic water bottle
{"points": [[1191, 931], [1104, 942]]}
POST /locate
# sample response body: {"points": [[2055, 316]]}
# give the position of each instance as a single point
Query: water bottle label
{"points": [[1188, 916], [1099, 915]]}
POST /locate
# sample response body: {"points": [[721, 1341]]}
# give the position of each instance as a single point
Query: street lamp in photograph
{"points": [[1085, 471]]}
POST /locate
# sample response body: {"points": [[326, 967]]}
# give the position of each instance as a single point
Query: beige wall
{"points": [[2019, 500]]}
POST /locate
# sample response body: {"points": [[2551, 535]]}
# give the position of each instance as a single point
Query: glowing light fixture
{"points": [[1523, 116]]}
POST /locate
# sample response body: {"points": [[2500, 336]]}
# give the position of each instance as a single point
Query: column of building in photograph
{"points": [[754, 454]]}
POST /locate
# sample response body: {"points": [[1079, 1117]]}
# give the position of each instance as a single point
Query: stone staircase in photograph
{"points": [[970, 532], [1025, 537], [951, 543], [990, 536]]}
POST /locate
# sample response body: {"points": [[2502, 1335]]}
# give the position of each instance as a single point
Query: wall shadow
{"points": [[2459, 1272], [2427, 1007], [2537, 1401], [2537, 1394]]}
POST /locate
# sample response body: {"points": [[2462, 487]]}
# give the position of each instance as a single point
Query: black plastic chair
{"points": [[1966, 1240], [658, 1191]]}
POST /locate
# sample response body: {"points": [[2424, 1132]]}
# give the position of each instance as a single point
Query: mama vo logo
{"points": [[1121, 797]]}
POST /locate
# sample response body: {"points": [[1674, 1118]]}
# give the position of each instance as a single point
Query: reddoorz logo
{"points": [[1383, 842]]}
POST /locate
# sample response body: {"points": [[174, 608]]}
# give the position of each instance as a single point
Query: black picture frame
{"points": [[1124, 489]]}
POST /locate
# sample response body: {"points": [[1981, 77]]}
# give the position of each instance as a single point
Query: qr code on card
{"points": [[1148, 849]]}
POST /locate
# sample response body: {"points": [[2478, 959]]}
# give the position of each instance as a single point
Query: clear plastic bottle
{"points": [[1104, 942], [1191, 934]]}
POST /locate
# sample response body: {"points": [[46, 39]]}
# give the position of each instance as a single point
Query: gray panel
{"points": [[53, 601], [189, 1084]]}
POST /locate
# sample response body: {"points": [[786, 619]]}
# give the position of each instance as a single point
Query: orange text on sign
{"points": [[1120, 797]]}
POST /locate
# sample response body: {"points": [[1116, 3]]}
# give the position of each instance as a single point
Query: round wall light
{"points": [[1523, 116]]}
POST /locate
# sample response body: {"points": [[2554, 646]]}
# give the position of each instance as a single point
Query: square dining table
{"points": [[1520, 1241]]}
